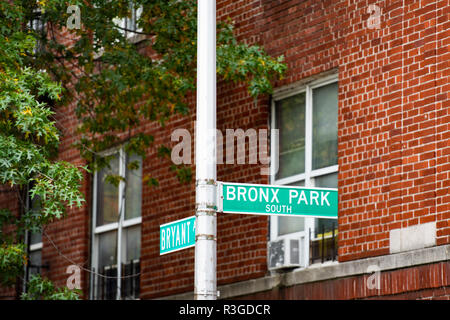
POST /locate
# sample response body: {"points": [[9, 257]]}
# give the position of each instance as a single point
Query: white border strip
{"points": [[278, 186], [281, 214], [179, 249], [176, 221]]}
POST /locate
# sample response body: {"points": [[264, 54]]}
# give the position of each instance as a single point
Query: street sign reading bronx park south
{"points": [[278, 200], [177, 235]]}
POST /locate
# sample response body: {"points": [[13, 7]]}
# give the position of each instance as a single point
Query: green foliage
{"points": [[43, 289], [240, 62], [28, 139], [28, 136], [12, 260], [6, 217], [118, 83], [150, 181], [183, 173]]}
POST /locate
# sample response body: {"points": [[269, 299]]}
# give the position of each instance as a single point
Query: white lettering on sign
{"points": [[313, 197], [188, 223], [183, 231], [172, 236], [231, 193], [252, 194], [172, 230], [302, 198], [292, 194], [277, 208], [262, 194], [241, 192], [324, 198], [168, 237], [274, 195], [178, 242], [255, 194]]}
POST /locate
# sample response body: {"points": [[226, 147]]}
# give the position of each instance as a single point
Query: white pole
{"points": [[121, 204], [205, 154]]}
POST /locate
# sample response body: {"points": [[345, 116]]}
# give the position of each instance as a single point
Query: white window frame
{"points": [[132, 37], [37, 25], [309, 174], [123, 23], [115, 226], [38, 246], [34, 248], [27, 268]]}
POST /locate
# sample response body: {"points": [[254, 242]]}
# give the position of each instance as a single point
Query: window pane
{"points": [[326, 181], [131, 22], [107, 243], [107, 195], [133, 189], [291, 224], [36, 204], [132, 243], [131, 247], [290, 121], [35, 237], [35, 261], [325, 119]]}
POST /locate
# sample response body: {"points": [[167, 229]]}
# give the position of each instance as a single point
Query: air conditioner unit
{"points": [[285, 253]]}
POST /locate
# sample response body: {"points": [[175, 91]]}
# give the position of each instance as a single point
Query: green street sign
{"points": [[278, 200], [177, 235]]}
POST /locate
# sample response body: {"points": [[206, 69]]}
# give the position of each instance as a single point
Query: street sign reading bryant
{"points": [[177, 235]]}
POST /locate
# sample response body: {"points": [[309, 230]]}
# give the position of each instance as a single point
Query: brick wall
{"points": [[422, 282], [66, 241], [393, 126], [8, 200]]}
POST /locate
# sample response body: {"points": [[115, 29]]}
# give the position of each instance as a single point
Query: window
{"points": [[117, 230], [38, 26], [128, 26], [34, 253], [307, 156], [34, 247]]}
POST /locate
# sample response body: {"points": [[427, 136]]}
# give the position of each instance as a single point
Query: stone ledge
{"points": [[328, 271]]}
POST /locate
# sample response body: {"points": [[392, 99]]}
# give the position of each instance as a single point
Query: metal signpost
{"points": [[171, 235], [205, 286]]}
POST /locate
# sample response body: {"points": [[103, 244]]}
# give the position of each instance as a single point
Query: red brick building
{"points": [[364, 107]]}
